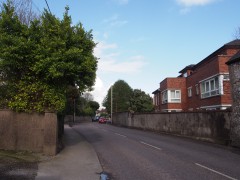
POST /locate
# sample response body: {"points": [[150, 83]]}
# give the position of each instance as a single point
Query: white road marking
{"points": [[151, 145], [229, 177], [120, 135]]}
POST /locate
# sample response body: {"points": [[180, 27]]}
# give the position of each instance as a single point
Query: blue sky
{"points": [[145, 41]]}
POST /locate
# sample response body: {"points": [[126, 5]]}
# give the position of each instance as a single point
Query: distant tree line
{"points": [[124, 98]]}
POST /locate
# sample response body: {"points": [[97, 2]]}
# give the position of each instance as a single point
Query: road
{"points": [[129, 154]]}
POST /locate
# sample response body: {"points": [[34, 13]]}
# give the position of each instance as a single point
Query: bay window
{"points": [[210, 87], [171, 96]]}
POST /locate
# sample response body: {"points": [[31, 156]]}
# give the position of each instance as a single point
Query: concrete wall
{"points": [[28, 132], [210, 126], [78, 119]]}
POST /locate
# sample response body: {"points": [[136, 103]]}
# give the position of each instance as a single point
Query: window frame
{"points": [[197, 89], [210, 87], [175, 99], [189, 92], [167, 96]]}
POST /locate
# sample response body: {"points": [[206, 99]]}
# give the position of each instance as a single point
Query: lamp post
{"points": [[111, 101], [74, 104]]}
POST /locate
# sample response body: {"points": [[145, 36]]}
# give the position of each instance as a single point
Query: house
{"points": [[201, 86]]}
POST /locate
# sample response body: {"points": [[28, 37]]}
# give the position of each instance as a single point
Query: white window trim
{"points": [[169, 99], [218, 91], [197, 89], [216, 106], [189, 92], [164, 100]]}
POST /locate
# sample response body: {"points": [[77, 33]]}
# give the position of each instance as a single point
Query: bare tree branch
{"points": [[24, 10], [237, 33]]}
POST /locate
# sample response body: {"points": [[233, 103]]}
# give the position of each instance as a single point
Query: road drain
{"points": [[104, 176]]}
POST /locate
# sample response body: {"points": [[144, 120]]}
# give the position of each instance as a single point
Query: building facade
{"points": [[203, 86]]}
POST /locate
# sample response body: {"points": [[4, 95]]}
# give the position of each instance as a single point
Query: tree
{"points": [[88, 96], [121, 93], [94, 105], [141, 102], [40, 61], [237, 33]]}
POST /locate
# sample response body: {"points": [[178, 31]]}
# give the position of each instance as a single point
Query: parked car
{"points": [[102, 120], [109, 121], [95, 118]]}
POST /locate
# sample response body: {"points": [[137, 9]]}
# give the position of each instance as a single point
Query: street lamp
{"points": [[74, 104], [111, 101]]}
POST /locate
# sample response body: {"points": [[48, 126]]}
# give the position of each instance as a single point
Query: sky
{"points": [[144, 41]]}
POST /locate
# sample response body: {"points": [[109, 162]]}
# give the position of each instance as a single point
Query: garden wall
{"points": [[210, 126], [29, 132]]}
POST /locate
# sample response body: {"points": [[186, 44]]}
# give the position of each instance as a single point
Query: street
{"points": [[129, 154]]}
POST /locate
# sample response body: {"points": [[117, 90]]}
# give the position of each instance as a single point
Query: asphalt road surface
{"points": [[129, 154]]}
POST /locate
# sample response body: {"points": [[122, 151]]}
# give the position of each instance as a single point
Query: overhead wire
{"points": [[48, 6]]}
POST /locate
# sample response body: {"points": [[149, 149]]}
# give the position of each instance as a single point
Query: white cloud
{"points": [[99, 92], [185, 10], [105, 35], [114, 21], [122, 2], [102, 47], [122, 67], [111, 65], [189, 3], [109, 60]]}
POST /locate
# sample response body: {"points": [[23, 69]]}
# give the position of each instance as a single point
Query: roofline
{"points": [[234, 59], [214, 53]]}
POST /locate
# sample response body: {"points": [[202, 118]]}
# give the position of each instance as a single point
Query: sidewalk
{"points": [[77, 161]]}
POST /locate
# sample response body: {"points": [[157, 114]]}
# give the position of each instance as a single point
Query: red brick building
{"points": [[203, 86]]}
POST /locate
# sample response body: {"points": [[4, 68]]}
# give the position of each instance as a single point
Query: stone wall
{"points": [[210, 126], [78, 119], [234, 72], [28, 132]]}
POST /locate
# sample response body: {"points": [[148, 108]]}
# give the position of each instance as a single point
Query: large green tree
{"points": [[121, 94], [141, 102], [39, 62]]}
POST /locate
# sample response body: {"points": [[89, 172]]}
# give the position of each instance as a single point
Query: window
{"points": [[226, 77], [164, 97], [210, 87], [175, 96], [197, 89], [190, 92], [172, 96]]}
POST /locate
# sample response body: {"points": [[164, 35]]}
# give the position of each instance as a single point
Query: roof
{"points": [[233, 43], [234, 59], [189, 67], [156, 91]]}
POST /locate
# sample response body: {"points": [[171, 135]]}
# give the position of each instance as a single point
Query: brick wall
{"points": [[175, 83], [28, 132]]}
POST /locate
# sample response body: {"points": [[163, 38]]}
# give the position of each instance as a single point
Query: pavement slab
{"points": [[77, 161]]}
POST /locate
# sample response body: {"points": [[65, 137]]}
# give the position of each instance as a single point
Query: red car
{"points": [[102, 120]]}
